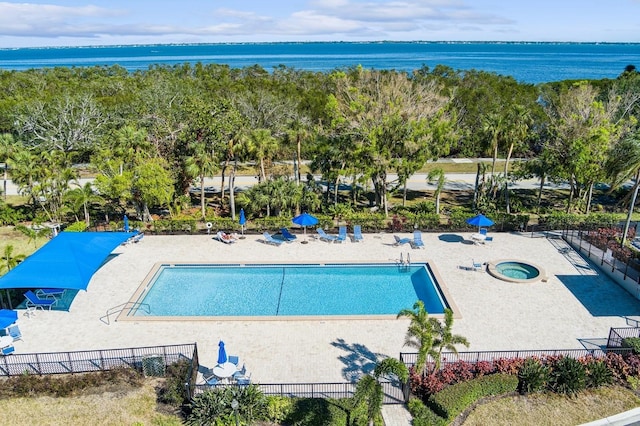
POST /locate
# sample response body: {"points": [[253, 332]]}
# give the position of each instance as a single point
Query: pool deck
{"points": [[575, 307]]}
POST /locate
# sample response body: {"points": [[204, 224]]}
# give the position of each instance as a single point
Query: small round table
{"points": [[225, 370]]}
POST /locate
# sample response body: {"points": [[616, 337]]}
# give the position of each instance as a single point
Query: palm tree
{"points": [[82, 197], [33, 234], [420, 334], [6, 147], [437, 176], [261, 146], [445, 338], [369, 389], [9, 261], [201, 164]]}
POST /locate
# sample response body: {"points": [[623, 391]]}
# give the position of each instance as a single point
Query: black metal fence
{"points": [[150, 360], [410, 358], [617, 336], [393, 391]]}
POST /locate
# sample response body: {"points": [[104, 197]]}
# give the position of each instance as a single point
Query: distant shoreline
{"points": [[515, 42]]}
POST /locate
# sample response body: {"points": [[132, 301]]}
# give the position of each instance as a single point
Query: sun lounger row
{"points": [[342, 235]]}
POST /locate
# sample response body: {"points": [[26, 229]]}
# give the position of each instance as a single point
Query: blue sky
{"points": [[71, 23]]}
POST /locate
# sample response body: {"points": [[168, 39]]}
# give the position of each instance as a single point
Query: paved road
{"points": [[418, 182]]}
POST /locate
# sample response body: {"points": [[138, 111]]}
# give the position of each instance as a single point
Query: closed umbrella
{"points": [[126, 223], [7, 317], [304, 220], [242, 220], [222, 353], [479, 221]]}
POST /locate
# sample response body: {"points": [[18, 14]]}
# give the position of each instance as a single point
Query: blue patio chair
{"points": [[326, 237], [357, 233], [50, 293], [233, 359], [14, 331], [211, 380], [417, 240], [342, 234], [34, 302], [401, 241], [240, 373], [483, 231], [268, 238], [477, 266], [488, 239], [288, 236], [8, 350]]}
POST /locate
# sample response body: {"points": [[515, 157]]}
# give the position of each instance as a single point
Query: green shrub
{"points": [[278, 408], [214, 406], [598, 374], [532, 376], [76, 227], [568, 376], [632, 342], [454, 399], [173, 391], [422, 415]]}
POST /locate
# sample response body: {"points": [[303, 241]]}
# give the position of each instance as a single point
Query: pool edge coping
{"points": [[126, 313]]}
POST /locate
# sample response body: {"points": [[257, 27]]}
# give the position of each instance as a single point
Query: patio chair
{"points": [[483, 231], [326, 237], [233, 359], [34, 302], [246, 380], [488, 239], [476, 265], [417, 240], [268, 238], [342, 234], [401, 241], [357, 233], [211, 380], [8, 350], [240, 373], [288, 236], [225, 238], [50, 293], [14, 331]]}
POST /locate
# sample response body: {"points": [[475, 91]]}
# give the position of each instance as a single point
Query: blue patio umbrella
{"points": [[242, 220], [304, 220], [7, 317], [222, 353], [126, 223], [479, 221]]}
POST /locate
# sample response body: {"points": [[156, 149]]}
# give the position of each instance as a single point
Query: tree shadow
{"points": [[357, 360]]}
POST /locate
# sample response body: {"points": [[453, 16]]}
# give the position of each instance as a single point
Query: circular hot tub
{"points": [[516, 271]]}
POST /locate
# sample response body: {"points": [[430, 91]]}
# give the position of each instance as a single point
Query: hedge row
{"points": [[454, 399]]}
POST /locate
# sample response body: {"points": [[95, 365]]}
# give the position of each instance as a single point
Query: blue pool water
{"points": [[517, 270], [289, 290]]}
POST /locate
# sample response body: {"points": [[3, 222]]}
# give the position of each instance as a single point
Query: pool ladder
{"points": [[405, 265]]}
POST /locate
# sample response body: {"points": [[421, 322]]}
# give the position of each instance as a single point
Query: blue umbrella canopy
{"points": [[7, 317], [479, 221], [222, 353], [126, 223], [243, 219], [304, 220]]}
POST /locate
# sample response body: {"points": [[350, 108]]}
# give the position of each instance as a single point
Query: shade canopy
{"points": [[479, 221], [243, 219], [222, 353], [7, 317], [67, 261]]}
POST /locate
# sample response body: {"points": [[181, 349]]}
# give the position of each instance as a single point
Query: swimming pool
{"points": [[288, 290]]}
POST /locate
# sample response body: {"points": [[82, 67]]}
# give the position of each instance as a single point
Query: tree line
{"points": [[149, 136]]}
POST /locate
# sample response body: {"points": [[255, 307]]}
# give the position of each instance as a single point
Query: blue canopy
{"points": [[7, 317], [67, 261], [243, 219]]}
